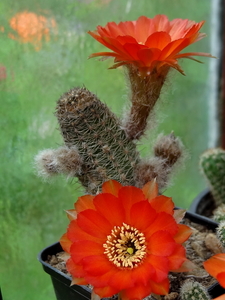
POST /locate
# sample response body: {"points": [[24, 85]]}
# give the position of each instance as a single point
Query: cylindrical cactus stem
{"points": [[193, 290], [105, 150], [212, 165], [50, 162], [145, 91]]}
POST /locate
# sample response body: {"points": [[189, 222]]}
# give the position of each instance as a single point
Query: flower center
{"points": [[125, 246]]}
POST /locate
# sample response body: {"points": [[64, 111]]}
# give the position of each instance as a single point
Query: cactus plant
{"points": [[193, 290], [212, 166], [221, 233], [97, 148]]}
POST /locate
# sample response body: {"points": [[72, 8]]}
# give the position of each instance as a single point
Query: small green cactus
{"points": [[219, 213], [212, 165], [221, 233], [193, 290]]}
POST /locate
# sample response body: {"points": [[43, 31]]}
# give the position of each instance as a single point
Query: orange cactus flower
{"points": [[31, 28], [149, 43], [125, 240], [215, 266]]}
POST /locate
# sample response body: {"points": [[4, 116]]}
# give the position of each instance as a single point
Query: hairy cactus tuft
{"points": [[63, 160]]}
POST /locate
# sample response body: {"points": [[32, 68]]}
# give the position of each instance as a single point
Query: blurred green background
{"points": [[33, 77]]}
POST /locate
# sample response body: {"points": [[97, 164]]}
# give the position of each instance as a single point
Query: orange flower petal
{"points": [[221, 278], [161, 267], [129, 195], [158, 40], [65, 243], [187, 266], [105, 292], [178, 28], [71, 214], [143, 273], [122, 280], [163, 221], [150, 190], [193, 30], [148, 56], [112, 187], [215, 265], [179, 214], [110, 54], [183, 233], [187, 55], [161, 23], [113, 29], [161, 288], [76, 271], [110, 208], [141, 215], [97, 265], [128, 40], [84, 202], [127, 28], [173, 48], [162, 203], [80, 251], [143, 28], [222, 297], [79, 281], [178, 257], [138, 292], [75, 233], [161, 243], [93, 223], [132, 51]]}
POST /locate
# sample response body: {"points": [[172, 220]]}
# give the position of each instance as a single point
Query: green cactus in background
{"points": [[221, 233], [97, 148], [212, 165], [219, 213], [193, 290]]}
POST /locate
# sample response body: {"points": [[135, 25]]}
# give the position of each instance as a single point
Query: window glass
{"points": [[43, 54]]}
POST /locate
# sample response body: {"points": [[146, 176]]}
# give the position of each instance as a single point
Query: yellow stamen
{"points": [[125, 247]]}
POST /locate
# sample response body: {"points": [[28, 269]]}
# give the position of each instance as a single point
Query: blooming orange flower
{"points": [[125, 240], [215, 266], [31, 28], [149, 43]]}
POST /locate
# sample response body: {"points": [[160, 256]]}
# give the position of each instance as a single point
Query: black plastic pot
{"points": [[61, 281], [216, 290], [203, 204]]}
